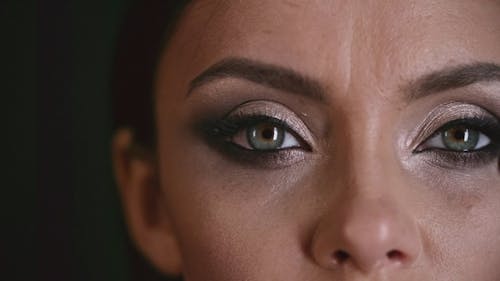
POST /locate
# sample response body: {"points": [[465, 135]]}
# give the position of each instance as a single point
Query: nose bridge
{"points": [[368, 153]]}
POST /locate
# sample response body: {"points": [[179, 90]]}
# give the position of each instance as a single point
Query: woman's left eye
{"points": [[265, 136], [457, 137]]}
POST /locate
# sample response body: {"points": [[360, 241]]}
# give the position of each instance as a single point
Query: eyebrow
{"points": [[289, 80], [452, 78], [273, 76]]}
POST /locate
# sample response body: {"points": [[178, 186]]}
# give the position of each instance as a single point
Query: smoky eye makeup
{"points": [[259, 133], [459, 136]]}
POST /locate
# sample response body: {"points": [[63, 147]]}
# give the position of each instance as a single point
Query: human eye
{"points": [[466, 142], [260, 133]]}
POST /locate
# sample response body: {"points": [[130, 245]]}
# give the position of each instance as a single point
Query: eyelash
{"points": [[467, 159]]}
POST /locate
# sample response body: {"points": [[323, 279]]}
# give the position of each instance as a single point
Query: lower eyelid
{"points": [[260, 159], [461, 160]]}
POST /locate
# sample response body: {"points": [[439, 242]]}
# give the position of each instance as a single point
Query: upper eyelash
{"points": [[228, 127]]}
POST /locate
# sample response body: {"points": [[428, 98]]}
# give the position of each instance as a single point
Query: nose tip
{"points": [[370, 251], [367, 239]]}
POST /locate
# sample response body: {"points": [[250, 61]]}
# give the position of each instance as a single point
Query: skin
{"points": [[360, 204]]}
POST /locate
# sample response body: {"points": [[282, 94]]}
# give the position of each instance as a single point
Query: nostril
{"points": [[340, 256], [395, 255]]}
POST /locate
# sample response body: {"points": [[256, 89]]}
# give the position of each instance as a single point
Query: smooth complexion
{"points": [[373, 152]]}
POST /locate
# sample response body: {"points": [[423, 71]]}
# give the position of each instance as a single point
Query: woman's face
{"points": [[330, 140]]}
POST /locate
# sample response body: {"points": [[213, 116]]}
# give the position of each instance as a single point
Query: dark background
{"points": [[61, 212]]}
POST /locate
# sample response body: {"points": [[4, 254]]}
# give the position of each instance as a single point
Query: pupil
{"points": [[268, 133], [459, 135]]}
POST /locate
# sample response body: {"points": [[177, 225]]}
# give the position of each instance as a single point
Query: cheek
{"points": [[230, 237], [238, 247], [462, 230], [233, 223], [475, 247], [485, 243]]}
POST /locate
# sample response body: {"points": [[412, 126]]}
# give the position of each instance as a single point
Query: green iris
{"points": [[460, 138], [265, 136]]}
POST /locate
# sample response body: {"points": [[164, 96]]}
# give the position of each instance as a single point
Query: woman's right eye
{"points": [[259, 133], [258, 140], [266, 136]]}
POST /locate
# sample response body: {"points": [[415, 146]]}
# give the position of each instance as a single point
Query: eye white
{"points": [[289, 141]]}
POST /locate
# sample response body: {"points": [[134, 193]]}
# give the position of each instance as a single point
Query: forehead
{"points": [[336, 42]]}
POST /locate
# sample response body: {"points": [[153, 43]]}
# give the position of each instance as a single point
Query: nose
{"points": [[366, 234]]}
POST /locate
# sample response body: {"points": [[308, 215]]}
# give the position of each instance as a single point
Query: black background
{"points": [[61, 213]]}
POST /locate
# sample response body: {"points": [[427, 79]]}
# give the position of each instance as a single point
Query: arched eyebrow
{"points": [[451, 78], [273, 76], [291, 81]]}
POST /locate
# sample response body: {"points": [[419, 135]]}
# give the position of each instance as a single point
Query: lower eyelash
{"points": [[261, 159], [466, 160]]}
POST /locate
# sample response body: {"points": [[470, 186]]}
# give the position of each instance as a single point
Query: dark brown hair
{"points": [[143, 36]]}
